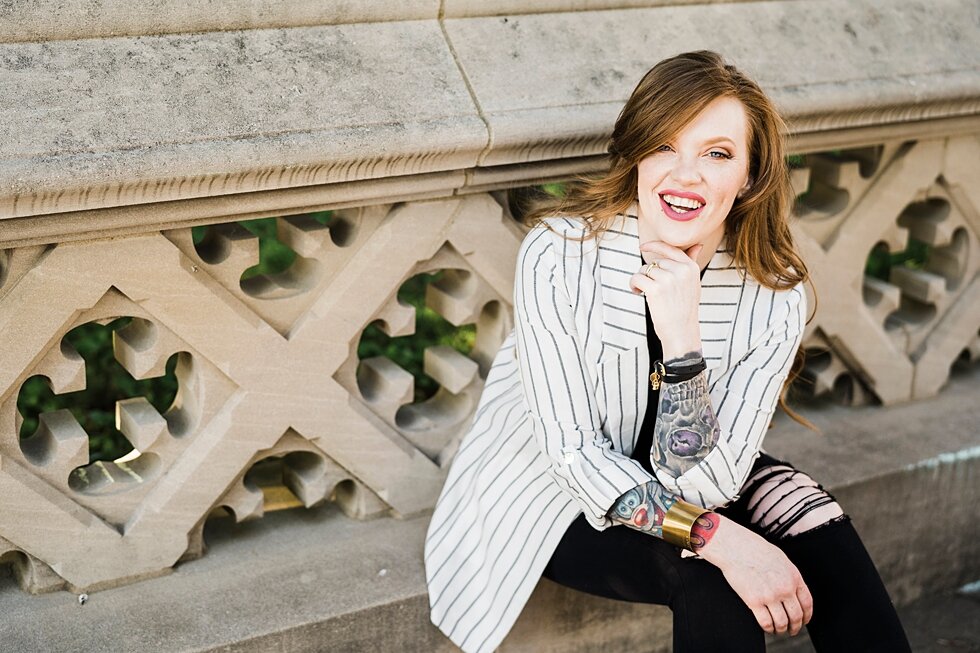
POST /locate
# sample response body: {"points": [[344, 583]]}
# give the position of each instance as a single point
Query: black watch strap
{"points": [[675, 374]]}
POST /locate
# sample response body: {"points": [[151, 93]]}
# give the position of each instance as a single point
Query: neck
{"points": [[711, 244]]}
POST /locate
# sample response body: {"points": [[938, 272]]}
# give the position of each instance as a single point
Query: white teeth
{"points": [[682, 202]]}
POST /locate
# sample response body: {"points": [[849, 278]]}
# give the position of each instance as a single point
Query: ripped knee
{"points": [[784, 502]]}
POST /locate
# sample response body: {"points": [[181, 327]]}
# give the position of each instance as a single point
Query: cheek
{"points": [[649, 176], [727, 188]]}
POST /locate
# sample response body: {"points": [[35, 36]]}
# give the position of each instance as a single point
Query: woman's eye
{"points": [[663, 148], [719, 154]]}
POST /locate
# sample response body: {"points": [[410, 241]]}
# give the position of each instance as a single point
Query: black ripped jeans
{"points": [[851, 609]]}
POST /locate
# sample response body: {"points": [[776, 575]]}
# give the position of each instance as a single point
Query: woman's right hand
{"points": [[762, 576]]}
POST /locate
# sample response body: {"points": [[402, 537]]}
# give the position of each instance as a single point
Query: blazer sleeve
{"points": [[744, 400], [558, 389]]}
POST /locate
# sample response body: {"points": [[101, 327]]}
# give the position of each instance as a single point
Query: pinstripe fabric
{"points": [[561, 410]]}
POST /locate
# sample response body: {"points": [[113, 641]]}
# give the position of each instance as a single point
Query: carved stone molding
{"points": [[891, 339], [268, 376]]}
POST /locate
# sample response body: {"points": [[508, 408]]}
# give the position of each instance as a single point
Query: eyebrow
{"points": [[719, 139]]}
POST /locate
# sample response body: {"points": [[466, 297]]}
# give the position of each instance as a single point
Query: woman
{"points": [[658, 311]]}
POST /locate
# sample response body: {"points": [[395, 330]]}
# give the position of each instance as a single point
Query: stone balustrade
{"points": [[121, 131]]}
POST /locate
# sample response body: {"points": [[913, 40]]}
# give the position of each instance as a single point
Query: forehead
{"points": [[724, 117]]}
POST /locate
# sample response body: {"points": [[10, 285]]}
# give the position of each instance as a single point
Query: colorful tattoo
{"points": [[643, 508], [687, 429], [703, 530]]}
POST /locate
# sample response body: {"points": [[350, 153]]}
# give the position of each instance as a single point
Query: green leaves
{"points": [[106, 381], [430, 329], [880, 260]]}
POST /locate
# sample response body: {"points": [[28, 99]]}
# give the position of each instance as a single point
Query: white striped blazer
{"points": [[562, 408]]}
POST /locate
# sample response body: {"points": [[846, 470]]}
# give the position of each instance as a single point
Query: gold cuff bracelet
{"points": [[679, 521]]}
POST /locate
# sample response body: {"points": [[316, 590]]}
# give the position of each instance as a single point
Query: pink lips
{"points": [[681, 217]]}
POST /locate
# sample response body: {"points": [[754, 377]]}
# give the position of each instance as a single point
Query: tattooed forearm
{"points": [[703, 530], [643, 508], [687, 429]]}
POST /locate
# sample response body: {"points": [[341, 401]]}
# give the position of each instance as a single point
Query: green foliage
{"points": [[430, 329], [555, 189], [106, 381], [880, 260], [274, 255]]}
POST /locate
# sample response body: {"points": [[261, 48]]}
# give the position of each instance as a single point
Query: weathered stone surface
{"points": [[469, 8], [140, 218], [48, 20], [826, 64], [108, 122], [102, 122]]}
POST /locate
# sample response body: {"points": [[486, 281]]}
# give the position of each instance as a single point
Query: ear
{"points": [[745, 188]]}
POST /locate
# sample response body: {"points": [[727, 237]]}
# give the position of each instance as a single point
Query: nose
{"points": [[686, 171]]}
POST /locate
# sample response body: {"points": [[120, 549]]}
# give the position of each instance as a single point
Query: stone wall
{"points": [[120, 132]]}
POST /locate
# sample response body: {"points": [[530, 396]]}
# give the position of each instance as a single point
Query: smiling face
{"points": [[687, 186]]}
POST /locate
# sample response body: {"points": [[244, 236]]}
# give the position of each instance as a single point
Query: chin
{"points": [[682, 240], [686, 235]]}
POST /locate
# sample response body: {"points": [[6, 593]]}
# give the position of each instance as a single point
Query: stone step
{"points": [[314, 580]]}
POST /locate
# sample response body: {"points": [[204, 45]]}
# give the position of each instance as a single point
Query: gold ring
{"points": [[649, 266]]}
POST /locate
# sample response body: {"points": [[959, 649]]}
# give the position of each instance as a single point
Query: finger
{"points": [[795, 613], [642, 284], [806, 602], [660, 249], [780, 621], [670, 265], [650, 268], [763, 617]]}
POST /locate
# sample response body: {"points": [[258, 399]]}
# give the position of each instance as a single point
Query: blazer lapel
{"points": [[722, 291], [624, 324]]}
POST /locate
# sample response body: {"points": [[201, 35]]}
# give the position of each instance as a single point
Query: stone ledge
{"points": [[110, 122], [97, 123], [842, 60], [309, 580], [470, 8], [50, 20]]}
